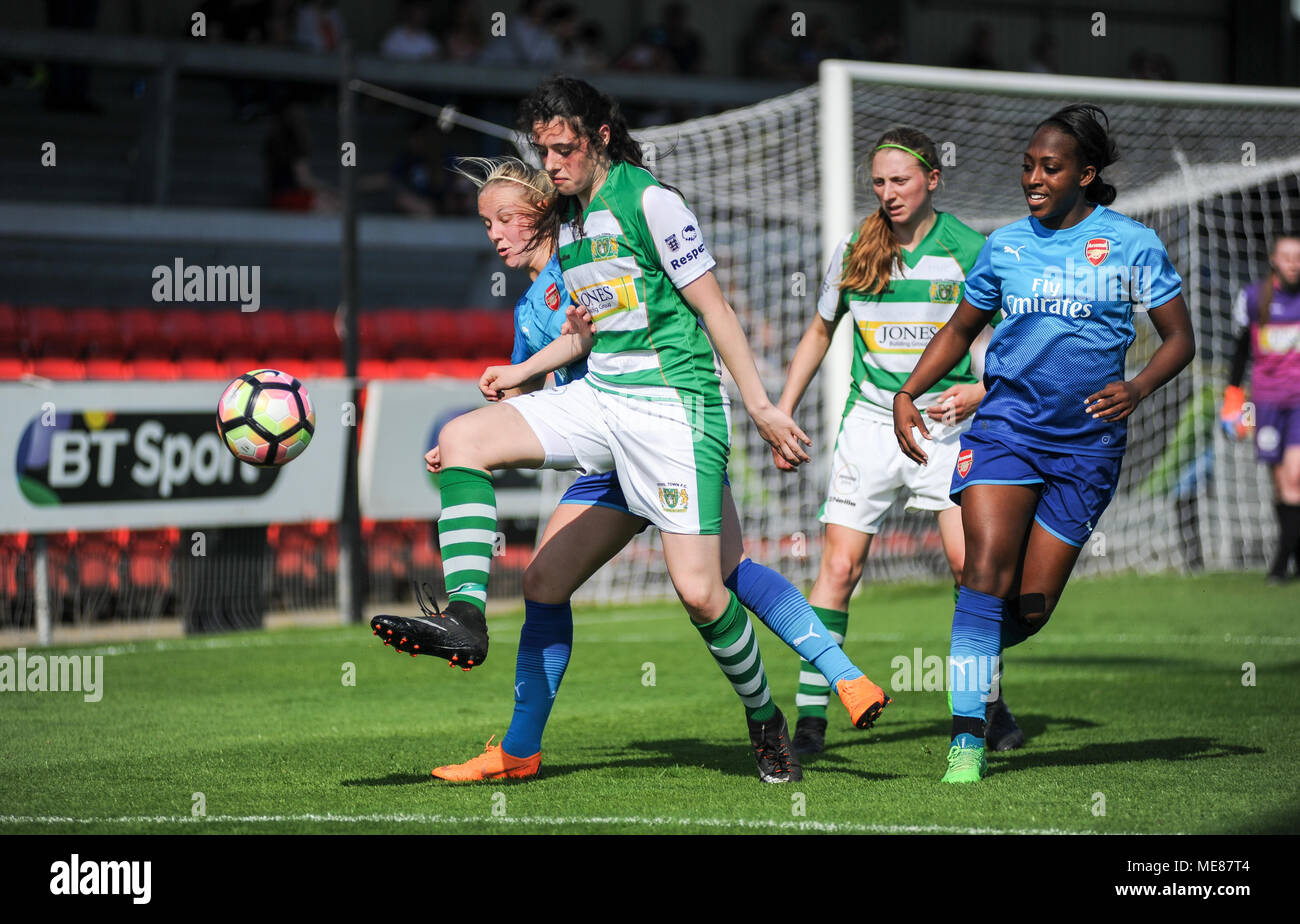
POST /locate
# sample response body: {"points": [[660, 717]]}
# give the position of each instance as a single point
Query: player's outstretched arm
{"points": [[808, 356], [957, 402], [560, 352], [944, 351], [1177, 347], [774, 425]]}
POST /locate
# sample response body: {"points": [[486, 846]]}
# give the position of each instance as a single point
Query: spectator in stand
{"points": [[291, 184], [410, 39], [527, 43], [977, 53], [463, 42], [320, 26]]}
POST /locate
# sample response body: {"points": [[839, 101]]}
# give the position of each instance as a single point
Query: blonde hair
{"points": [[484, 171]]}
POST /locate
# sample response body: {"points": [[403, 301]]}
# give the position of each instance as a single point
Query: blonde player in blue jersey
{"points": [[1042, 457], [899, 276]]}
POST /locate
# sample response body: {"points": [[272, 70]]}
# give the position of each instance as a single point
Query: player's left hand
{"points": [[433, 460], [1114, 402], [577, 320], [782, 434], [496, 380], [956, 404]]}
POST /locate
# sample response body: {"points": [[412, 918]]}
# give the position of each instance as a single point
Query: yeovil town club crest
{"points": [[945, 292], [673, 498], [604, 247]]}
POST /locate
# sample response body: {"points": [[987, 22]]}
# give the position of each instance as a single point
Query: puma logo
{"points": [[811, 634], [517, 686], [1014, 250]]}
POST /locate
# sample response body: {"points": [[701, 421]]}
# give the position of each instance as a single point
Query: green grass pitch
{"points": [[1134, 691]]}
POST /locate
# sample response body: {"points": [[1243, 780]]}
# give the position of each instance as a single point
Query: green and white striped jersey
{"points": [[894, 328], [639, 245]]}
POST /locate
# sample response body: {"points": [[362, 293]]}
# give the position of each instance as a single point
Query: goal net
{"points": [[1214, 170]]}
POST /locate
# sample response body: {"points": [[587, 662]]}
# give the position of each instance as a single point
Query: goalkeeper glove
{"points": [[1230, 418]]}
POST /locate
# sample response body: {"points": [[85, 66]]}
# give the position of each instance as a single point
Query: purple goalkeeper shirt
{"points": [[1275, 346]]}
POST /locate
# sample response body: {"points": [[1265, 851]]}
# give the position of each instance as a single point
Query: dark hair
{"points": [[585, 109], [1090, 128]]}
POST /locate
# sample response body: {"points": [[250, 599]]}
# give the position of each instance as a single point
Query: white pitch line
{"points": [[825, 827], [349, 638]]}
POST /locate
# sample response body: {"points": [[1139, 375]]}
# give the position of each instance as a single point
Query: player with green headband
{"points": [[900, 276]]}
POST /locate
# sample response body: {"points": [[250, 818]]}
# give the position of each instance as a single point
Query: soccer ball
{"points": [[265, 417]]}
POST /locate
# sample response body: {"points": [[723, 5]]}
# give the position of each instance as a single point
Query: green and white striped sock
{"points": [[732, 643], [814, 692], [466, 528]]}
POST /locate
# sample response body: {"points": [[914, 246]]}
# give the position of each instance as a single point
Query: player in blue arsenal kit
{"points": [[1042, 457]]}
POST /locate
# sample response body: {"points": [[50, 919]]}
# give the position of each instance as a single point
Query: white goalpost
{"points": [[1215, 170]]}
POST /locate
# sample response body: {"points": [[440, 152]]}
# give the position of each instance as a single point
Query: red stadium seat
{"points": [[108, 368], [436, 335], [13, 368], [487, 332], [99, 331], [233, 333], [188, 331], [296, 551], [149, 557], [374, 369], [154, 369], [330, 367], [204, 368], [235, 365], [59, 367], [10, 330], [312, 333], [424, 551], [388, 333], [465, 368], [409, 368], [296, 366], [48, 331], [99, 557], [143, 334], [270, 332]]}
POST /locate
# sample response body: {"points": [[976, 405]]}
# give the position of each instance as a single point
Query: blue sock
{"points": [[544, 644], [786, 612], [976, 643]]}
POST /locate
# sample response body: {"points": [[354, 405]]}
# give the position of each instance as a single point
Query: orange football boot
{"points": [[492, 764], [864, 700]]}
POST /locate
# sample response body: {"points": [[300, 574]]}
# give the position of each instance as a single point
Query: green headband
{"points": [[908, 150]]}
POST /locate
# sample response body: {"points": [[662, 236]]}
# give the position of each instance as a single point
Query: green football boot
{"points": [[966, 763]]}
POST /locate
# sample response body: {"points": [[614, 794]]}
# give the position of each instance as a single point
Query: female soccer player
{"points": [[1041, 459], [900, 275], [677, 432], [1267, 315]]}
